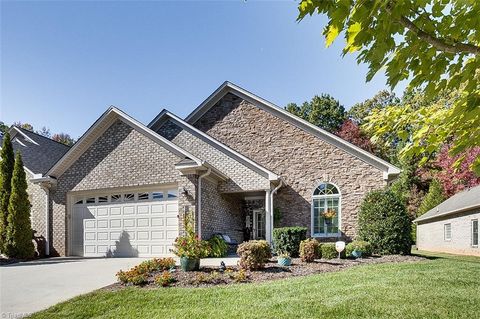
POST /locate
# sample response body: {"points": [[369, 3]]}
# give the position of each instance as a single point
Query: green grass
{"points": [[441, 287]]}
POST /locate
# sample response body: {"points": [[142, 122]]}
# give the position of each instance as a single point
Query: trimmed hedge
{"points": [[359, 245], [328, 251], [384, 223], [254, 254], [287, 239], [310, 250]]}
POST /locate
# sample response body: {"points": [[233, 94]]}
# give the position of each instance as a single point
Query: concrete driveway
{"points": [[32, 286]]}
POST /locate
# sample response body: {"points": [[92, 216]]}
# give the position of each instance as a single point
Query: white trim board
{"points": [[99, 127], [164, 115], [389, 170]]}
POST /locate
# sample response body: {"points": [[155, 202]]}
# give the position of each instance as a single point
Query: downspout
{"points": [[47, 220], [271, 203], [199, 205]]}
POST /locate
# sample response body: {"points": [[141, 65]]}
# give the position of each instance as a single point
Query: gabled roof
{"points": [[166, 115], [228, 87], [463, 201], [100, 126], [39, 153]]}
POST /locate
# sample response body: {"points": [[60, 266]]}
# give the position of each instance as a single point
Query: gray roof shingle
{"points": [[468, 199], [38, 157]]}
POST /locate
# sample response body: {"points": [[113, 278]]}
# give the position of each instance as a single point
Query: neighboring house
{"points": [[124, 188], [39, 153], [452, 226]]}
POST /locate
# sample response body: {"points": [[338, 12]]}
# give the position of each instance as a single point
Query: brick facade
{"points": [[121, 157], [37, 197], [221, 213], [240, 177], [302, 159]]}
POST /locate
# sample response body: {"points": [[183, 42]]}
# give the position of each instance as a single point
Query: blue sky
{"points": [[64, 63]]}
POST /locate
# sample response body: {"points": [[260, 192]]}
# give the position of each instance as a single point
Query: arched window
{"points": [[326, 211]]}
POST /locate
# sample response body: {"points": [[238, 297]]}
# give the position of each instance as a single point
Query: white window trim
{"points": [[445, 232], [312, 217], [471, 232]]}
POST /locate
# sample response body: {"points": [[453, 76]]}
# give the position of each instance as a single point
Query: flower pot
{"points": [[284, 261], [357, 253], [189, 264]]}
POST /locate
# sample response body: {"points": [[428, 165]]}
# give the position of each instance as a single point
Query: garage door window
{"points": [[170, 194]]}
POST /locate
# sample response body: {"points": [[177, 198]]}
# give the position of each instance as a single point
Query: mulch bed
{"points": [[211, 276]]}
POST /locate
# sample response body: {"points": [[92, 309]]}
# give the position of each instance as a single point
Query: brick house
{"points": [[124, 188]]}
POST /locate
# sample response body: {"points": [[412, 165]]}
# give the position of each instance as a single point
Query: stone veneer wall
{"points": [[241, 178], [37, 198], [220, 214], [302, 159], [121, 157]]}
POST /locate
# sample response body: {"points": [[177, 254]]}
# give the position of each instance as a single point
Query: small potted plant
{"points": [[284, 259], [189, 247]]}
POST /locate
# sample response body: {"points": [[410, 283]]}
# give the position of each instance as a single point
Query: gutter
{"points": [[199, 205], [459, 210]]}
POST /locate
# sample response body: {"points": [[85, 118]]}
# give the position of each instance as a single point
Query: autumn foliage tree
{"points": [[350, 131], [455, 178]]}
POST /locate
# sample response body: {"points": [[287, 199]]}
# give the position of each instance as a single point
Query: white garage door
{"points": [[140, 224]]}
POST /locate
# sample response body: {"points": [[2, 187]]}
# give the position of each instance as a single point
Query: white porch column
{"points": [[268, 217]]}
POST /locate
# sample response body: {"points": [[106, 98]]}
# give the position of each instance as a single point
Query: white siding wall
{"points": [[430, 234]]}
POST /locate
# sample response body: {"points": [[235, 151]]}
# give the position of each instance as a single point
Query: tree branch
{"points": [[438, 43]]}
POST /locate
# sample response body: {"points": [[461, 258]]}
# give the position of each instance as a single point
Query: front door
{"points": [[259, 224]]}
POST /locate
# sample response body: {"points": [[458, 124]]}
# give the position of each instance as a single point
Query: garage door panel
{"points": [[124, 229]]}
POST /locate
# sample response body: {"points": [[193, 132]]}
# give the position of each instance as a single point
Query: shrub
{"points": [[310, 250], [212, 278], [384, 223], [254, 254], [7, 162], [329, 251], [164, 279], [134, 276], [189, 245], [359, 245], [157, 264], [287, 239], [218, 247], [19, 240], [240, 276]]}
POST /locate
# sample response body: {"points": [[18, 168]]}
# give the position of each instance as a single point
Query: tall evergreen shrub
{"points": [[7, 160], [19, 242]]}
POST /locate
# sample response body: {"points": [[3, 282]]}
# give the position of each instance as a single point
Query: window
{"points": [[326, 210], [102, 199], [142, 196], [90, 200], [115, 198], [79, 202], [129, 197], [172, 193], [157, 195], [447, 231], [475, 232]]}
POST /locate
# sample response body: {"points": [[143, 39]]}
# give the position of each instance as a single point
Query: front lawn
{"points": [[442, 287]]}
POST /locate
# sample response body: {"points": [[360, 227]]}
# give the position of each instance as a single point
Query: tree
{"points": [[433, 198], [359, 112], [432, 44], [7, 161], [25, 126], [350, 131], [384, 223], [323, 111], [64, 139], [3, 128], [19, 229], [44, 131], [455, 178]]}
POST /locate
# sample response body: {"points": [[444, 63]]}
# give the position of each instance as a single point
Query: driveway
{"points": [[32, 286], [36, 285]]}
